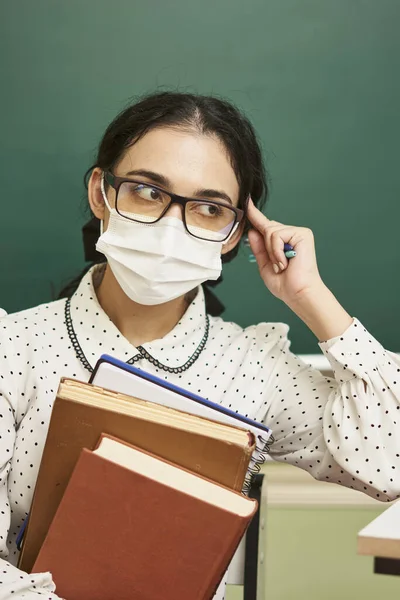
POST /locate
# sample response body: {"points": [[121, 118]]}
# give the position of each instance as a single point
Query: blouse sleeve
{"points": [[343, 430], [14, 583]]}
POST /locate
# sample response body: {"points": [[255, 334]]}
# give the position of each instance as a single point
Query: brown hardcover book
{"points": [[82, 412], [133, 526]]}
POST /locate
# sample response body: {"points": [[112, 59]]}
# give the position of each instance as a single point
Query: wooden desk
{"points": [[381, 539]]}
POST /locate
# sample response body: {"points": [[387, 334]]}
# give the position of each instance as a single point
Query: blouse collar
{"points": [[97, 334]]}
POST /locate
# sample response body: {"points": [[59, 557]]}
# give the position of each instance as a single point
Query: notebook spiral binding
{"points": [[258, 458]]}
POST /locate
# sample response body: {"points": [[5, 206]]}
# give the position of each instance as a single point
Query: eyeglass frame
{"points": [[116, 183]]}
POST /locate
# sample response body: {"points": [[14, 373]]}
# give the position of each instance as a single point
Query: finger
{"points": [[257, 245], [267, 227], [272, 248], [277, 237], [258, 219], [276, 249]]}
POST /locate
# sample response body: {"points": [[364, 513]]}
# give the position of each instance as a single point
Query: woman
{"points": [[171, 187]]}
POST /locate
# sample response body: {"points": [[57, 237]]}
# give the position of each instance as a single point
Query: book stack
{"points": [[135, 498]]}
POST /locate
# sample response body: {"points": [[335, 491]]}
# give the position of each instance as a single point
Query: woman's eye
{"points": [[208, 210], [148, 193]]}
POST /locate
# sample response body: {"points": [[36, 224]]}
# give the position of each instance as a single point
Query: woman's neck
{"points": [[138, 323]]}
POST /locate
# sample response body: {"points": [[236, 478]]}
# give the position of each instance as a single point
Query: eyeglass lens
{"points": [[204, 219]]}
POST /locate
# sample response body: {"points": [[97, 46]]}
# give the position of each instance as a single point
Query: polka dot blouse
{"points": [[343, 430]]}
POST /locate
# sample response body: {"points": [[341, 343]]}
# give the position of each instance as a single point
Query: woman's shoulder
{"points": [[41, 316], [259, 334]]}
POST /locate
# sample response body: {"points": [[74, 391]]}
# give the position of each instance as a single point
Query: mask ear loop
{"points": [[231, 234], [103, 193]]}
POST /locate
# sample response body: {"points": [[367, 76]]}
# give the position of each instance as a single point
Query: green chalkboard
{"points": [[319, 79]]}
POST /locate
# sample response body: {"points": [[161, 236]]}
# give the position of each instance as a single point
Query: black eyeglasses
{"points": [[147, 203]]}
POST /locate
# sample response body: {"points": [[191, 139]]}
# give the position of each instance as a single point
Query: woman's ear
{"points": [[235, 239], [95, 196]]}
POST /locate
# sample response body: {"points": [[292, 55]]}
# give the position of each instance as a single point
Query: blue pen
{"points": [[20, 535], [289, 251]]}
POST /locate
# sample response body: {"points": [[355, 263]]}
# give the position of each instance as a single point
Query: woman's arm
{"points": [[14, 583], [318, 308], [295, 281], [341, 430]]}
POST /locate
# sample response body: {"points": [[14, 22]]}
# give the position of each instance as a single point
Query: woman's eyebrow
{"points": [[156, 177], [210, 193], [165, 182]]}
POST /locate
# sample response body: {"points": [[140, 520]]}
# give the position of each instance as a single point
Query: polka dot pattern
{"points": [[341, 430]]}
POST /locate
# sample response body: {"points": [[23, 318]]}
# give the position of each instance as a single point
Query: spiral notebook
{"points": [[83, 412], [118, 376]]}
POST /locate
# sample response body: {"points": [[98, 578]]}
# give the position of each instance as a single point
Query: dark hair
{"points": [[204, 114]]}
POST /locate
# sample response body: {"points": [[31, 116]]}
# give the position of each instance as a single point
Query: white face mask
{"points": [[158, 262]]}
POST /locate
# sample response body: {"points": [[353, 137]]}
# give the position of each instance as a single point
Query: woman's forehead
{"points": [[189, 160]]}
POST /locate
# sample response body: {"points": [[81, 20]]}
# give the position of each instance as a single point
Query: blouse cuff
{"points": [[354, 353]]}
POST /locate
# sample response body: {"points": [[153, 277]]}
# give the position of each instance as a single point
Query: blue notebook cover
{"points": [[174, 388]]}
